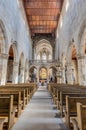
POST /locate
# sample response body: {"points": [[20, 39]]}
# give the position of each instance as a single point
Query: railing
{"points": [[54, 61]]}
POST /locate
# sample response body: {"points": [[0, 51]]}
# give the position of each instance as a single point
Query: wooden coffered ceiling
{"points": [[43, 15]]}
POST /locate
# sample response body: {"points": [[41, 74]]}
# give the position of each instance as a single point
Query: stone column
{"points": [[15, 72], [63, 75], [3, 68], [26, 76], [33, 51], [21, 76], [69, 73], [48, 75], [59, 75], [82, 69], [37, 74]]}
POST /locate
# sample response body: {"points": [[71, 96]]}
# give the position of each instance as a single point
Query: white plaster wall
{"points": [[16, 29], [71, 25]]}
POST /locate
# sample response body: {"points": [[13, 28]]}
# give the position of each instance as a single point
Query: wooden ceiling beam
{"points": [[43, 11], [43, 15], [39, 17]]}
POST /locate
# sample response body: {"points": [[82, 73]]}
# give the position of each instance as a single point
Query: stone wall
{"points": [[13, 17], [71, 31], [72, 18]]}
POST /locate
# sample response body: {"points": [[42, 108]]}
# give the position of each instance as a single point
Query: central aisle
{"points": [[40, 114]]}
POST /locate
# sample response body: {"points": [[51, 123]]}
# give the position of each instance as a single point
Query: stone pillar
{"points": [[63, 75], [21, 76], [35, 55], [37, 74], [15, 72], [26, 76], [82, 69], [3, 68], [48, 75], [69, 73], [59, 75], [33, 51]]}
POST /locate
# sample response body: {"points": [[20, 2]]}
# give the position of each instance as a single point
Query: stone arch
{"points": [[72, 64], [52, 66], [43, 73], [33, 66], [21, 69], [81, 39], [13, 62], [15, 50], [52, 72], [69, 51], [42, 66], [43, 41], [33, 73], [3, 39], [43, 46], [11, 57], [26, 71]]}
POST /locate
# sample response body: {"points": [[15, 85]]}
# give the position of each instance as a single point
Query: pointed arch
{"points": [[3, 38], [81, 38]]}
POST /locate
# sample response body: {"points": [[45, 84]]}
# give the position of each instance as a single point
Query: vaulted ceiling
{"points": [[43, 15]]}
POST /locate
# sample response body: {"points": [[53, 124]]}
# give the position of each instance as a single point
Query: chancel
{"points": [[42, 64]]}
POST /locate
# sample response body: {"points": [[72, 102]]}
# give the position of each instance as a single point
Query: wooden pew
{"points": [[60, 92], [25, 96], [11, 89], [2, 120], [7, 110], [31, 87], [55, 86], [57, 92], [16, 100], [20, 87], [71, 108], [62, 99], [81, 116]]}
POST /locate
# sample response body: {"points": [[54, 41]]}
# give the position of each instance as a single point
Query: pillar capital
{"points": [[21, 67], [69, 64], [15, 63], [4, 56], [81, 56]]}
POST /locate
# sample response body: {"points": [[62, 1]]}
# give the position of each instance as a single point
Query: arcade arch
{"points": [[72, 65], [43, 50], [10, 63], [52, 74], [33, 74]]}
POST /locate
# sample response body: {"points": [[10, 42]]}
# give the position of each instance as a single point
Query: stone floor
{"points": [[40, 114]]}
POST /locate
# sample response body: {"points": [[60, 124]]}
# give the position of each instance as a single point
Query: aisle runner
{"points": [[40, 114]]}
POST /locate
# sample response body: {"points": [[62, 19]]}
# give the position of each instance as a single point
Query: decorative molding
{"points": [[81, 56], [4, 56]]}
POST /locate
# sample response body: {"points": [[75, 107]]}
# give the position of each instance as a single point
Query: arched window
{"points": [[44, 56], [38, 57]]}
